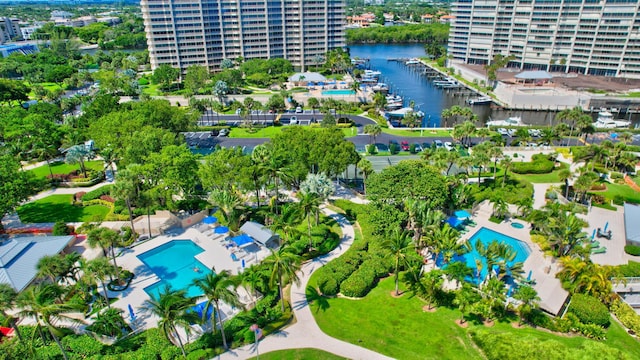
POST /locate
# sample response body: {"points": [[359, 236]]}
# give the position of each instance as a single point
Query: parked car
{"points": [[534, 132], [404, 146], [293, 120], [223, 132], [416, 146], [502, 131], [449, 146], [299, 110], [438, 143], [511, 132], [215, 132], [425, 145]]}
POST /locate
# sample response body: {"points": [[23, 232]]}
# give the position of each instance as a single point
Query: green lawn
{"points": [[551, 177], [151, 89], [625, 191], [299, 354], [58, 207], [47, 85], [42, 172], [399, 328], [417, 133]]}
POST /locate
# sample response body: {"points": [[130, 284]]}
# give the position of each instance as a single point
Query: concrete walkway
{"points": [[539, 192], [305, 333]]}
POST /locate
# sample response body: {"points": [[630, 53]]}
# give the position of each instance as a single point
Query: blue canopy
{"points": [[242, 240], [462, 214], [454, 221], [199, 308], [221, 230], [210, 220]]}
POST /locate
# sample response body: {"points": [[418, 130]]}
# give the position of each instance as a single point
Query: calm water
{"points": [[411, 84], [174, 263]]}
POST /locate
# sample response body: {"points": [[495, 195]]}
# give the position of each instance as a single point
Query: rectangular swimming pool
{"points": [[338, 92], [486, 236], [175, 264]]}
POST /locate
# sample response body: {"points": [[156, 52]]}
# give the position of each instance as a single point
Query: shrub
{"points": [[60, 228], [97, 193], [328, 286], [200, 354], [616, 175], [542, 241], [627, 316], [632, 250], [359, 283], [589, 310], [78, 196], [394, 149], [631, 269], [143, 81], [371, 149], [540, 164]]}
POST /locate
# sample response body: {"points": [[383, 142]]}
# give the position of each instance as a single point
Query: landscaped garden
{"points": [[298, 354], [62, 168]]}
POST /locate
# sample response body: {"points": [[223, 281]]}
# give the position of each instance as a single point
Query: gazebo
{"points": [[537, 77]]}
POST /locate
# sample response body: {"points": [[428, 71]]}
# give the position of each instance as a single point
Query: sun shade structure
{"points": [[454, 221], [221, 230], [534, 75], [259, 233], [210, 220], [19, 257], [462, 214], [632, 224], [307, 76]]}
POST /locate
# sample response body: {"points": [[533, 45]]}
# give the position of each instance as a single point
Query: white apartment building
{"points": [[596, 37], [182, 33]]}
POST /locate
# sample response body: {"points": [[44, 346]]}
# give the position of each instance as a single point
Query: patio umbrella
{"points": [[593, 234], [210, 220], [243, 263], [132, 314], [606, 226], [614, 135], [462, 214], [221, 230], [454, 221], [529, 276]]}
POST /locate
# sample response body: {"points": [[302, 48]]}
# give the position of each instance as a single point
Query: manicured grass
{"points": [[625, 191], [417, 133], [551, 177], [42, 172], [399, 328], [58, 207], [47, 85], [152, 90], [299, 354]]}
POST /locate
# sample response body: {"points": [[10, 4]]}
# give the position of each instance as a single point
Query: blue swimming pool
{"points": [[175, 264], [486, 236], [338, 92]]}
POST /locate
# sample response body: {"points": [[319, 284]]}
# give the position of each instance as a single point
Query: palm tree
{"points": [[171, 307], [51, 267], [45, 151], [564, 175], [500, 206], [480, 157], [398, 244], [447, 243], [355, 87], [373, 130], [282, 265], [458, 271], [254, 279], [125, 189], [230, 203], [77, 154], [109, 323], [216, 288], [7, 301], [529, 298], [565, 234], [431, 283], [506, 164], [494, 294], [287, 221], [465, 298], [44, 303], [496, 153], [309, 203], [483, 132], [275, 167], [100, 269]]}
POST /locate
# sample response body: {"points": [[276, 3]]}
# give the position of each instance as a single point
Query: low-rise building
{"points": [[427, 18], [9, 30]]}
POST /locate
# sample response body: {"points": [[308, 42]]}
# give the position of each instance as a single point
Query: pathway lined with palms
{"points": [[305, 333]]}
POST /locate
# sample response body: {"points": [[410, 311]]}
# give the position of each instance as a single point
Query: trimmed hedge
{"points": [[632, 250], [626, 315], [540, 164], [589, 310], [95, 194], [631, 269], [360, 282], [328, 286]]}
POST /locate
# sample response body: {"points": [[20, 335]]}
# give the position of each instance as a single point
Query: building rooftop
{"points": [[308, 76], [258, 232], [538, 74], [631, 224], [19, 257]]}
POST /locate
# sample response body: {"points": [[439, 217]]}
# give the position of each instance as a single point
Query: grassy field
{"points": [[417, 133], [401, 329], [151, 89], [47, 85], [58, 207], [625, 191], [299, 354], [551, 177], [42, 172]]}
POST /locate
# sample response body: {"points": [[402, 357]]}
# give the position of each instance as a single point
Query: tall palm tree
{"points": [[465, 298], [447, 243], [431, 283], [230, 203], [506, 164], [125, 189], [458, 271], [282, 265], [7, 301], [44, 302], [373, 130], [399, 245], [287, 221], [254, 279], [309, 203], [100, 269], [218, 288], [564, 175], [494, 294], [171, 307], [355, 87], [275, 167], [366, 169], [50, 267]]}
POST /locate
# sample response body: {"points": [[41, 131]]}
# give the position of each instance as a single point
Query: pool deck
{"points": [[215, 256], [543, 268]]}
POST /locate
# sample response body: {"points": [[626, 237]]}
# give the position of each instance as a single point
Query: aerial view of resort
{"points": [[319, 179]]}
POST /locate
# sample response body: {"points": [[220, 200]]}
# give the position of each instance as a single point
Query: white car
{"points": [[299, 110], [511, 132], [502, 131], [448, 145], [293, 120], [223, 132], [534, 132]]}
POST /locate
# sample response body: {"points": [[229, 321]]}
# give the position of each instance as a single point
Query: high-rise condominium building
{"points": [[597, 37], [9, 30], [182, 33]]}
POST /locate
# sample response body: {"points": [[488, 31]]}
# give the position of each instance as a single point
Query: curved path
{"points": [[305, 333]]}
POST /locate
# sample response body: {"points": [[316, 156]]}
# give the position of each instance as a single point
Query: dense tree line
{"points": [[423, 33]]}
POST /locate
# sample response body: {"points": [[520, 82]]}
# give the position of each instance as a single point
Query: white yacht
{"points": [[372, 73], [512, 121], [413, 61], [606, 121], [481, 100]]}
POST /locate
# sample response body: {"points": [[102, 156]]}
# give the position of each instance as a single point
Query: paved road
{"points": [[305, 333]]}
